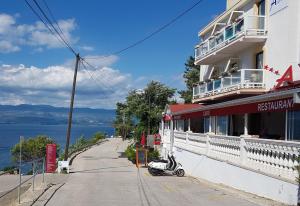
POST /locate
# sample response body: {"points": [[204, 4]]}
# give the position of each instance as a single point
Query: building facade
{"points": [[245, 128]]}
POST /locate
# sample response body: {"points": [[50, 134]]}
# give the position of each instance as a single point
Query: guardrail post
{"points": [[43, 169], [33, 173]]}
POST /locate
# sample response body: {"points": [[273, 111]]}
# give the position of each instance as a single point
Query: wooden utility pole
{"points": [[71, 109]]}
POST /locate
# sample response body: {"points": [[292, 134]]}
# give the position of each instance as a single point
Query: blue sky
{"points": [[37, 70]]}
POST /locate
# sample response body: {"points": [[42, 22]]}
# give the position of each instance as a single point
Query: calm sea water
{"points": [[10, 134]]}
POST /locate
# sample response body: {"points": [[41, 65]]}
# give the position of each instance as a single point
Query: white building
{"points": [[244, 130]]}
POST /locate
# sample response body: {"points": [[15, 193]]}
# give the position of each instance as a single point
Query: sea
{"points": [[10, 135]]}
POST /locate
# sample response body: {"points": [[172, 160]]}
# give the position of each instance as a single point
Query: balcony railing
{"points": [[244, 78], [271, 157], [249, 26]]}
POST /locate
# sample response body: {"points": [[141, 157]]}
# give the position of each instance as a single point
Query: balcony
{"points": [[272, 157], [244, 81], [237, 36]]}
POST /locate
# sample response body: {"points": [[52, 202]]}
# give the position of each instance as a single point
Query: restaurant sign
{"points": [[275, 105], [258, 107]]}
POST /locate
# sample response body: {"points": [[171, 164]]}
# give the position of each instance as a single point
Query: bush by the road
{"points": [[32, 148], [130, 153]]}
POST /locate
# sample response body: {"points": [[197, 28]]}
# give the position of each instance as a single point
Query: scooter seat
{"points": [[163, 161]]}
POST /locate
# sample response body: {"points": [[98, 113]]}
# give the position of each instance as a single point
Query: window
{"points": [[293, 126], [260, 60], [261, 8], [222, 125], [206, 124]]}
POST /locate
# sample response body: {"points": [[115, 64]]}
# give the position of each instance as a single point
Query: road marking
{"points": [[146, 174], [167, 188]]}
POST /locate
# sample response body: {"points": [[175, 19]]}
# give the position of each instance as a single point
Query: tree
{"points": [[32, 148], [123, 122], [191, 76], [145, 107]]}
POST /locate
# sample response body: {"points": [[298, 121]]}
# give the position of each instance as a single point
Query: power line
{"points": [[53, 18], [161, 28], [55, 32], [51, 24], [41, 19]]}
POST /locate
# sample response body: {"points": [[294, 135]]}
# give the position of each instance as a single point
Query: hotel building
{"points": [[243, 127]]}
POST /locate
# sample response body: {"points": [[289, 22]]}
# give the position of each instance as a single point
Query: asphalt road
{"points": [[102, 176]]}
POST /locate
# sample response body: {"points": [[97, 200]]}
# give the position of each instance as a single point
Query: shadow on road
{"points": [[99, 169]]}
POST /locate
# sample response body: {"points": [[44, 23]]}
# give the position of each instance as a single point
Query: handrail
{"points": [[230, 32], [242, 78]]}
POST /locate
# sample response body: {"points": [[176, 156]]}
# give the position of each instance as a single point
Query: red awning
{"points": [[277, 105]]}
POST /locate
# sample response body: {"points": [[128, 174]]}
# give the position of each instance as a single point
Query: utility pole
{"points": [[149, 114], [71, 108]]}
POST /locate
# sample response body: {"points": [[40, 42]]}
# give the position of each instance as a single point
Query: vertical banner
{"points": [[50, 158]]}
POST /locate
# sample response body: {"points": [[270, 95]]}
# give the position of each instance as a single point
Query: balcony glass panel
{"points": [[253, 76], [217, 84], [209, 86], [239, 26], [229, 33], [226, 81], [236, 78]]}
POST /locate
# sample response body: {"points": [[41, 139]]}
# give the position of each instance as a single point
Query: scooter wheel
{"points": [[180, 173]]}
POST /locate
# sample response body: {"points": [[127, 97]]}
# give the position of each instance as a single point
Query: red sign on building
{"points": [[50, 158]]}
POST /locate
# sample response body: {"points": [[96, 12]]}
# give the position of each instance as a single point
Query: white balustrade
{"points": [[272, 157], [275, 157], [225, 147]]}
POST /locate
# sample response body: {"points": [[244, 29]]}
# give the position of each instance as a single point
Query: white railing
{"points": [[241, 79], [271, 157], [245, 26]]}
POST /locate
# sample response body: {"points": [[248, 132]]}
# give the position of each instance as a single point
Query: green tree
{"points": [[147, 105], [32, 148], [124, 121], [191, 76]]}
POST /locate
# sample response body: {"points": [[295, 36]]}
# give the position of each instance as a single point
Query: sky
{"points": [[36, 69]]}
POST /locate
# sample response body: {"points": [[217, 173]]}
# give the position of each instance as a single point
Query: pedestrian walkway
{"points": [[103, 176]]}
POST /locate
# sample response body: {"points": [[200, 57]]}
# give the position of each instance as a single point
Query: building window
{"points": [[260, 60], [261, 8], [293, 126], [180, 125], [206, 124], [222, 125]]}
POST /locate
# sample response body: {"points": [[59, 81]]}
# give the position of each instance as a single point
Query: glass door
{"points": [[260, 60]]}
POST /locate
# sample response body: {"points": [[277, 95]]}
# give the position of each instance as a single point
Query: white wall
{"points": [[223, 173], [282, 46]]}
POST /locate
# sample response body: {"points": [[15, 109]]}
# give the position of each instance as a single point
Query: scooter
{"points": [[161, 167]]}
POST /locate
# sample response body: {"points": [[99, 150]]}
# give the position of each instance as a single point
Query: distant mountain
{"points": [[45, 114]]}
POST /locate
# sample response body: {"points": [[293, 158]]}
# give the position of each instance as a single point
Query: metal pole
{"points": [[43, 169], [20, 164], [71, 109], [33, 173], [149, 115]]}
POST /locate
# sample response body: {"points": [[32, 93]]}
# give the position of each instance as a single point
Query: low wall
{"points": [[239, 178]]}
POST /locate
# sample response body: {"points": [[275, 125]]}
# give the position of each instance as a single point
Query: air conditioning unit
{"points": [[296, 98]]}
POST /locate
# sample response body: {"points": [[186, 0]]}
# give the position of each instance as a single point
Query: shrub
{"points": [[130, 153], [97, 136], [32, 148], [153, 155], [9, 169]]}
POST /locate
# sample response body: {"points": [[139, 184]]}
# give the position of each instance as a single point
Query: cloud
{"points": [[52, 85], [101, 61], [86, 48], [13, 35]]}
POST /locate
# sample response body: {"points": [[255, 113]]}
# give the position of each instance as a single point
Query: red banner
{"points": [[50, 158], [258, 107]]}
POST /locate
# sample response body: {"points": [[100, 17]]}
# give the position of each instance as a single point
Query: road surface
{"points": [[103, 176]]}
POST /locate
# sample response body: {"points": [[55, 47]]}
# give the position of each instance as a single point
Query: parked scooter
{"points": [[160, 167]]}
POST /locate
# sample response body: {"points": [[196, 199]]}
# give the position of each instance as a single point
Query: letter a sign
{"points": [[287, 77]]}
